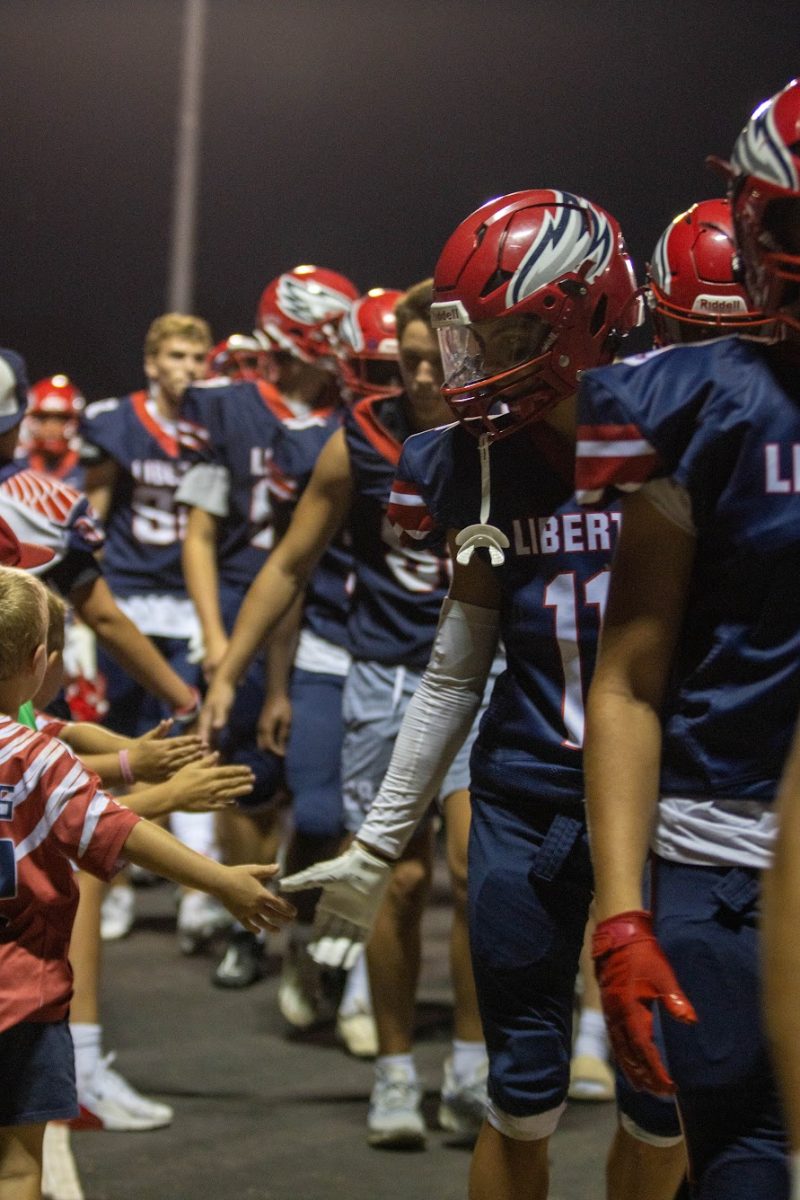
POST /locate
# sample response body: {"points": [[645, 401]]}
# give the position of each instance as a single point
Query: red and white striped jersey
{"points": [[53, 813]]}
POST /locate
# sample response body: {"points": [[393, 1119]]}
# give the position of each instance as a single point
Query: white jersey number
{"points": [[157, 520], [561, 594]]}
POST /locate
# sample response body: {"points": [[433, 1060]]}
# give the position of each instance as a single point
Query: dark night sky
{"points": [[351, 133]]}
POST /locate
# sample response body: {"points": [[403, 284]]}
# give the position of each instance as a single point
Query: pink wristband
{"points": [[125, 768]]}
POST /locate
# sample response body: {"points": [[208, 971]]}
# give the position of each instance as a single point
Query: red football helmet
{"points": [[692, 285], [299, 313], [765, 199], [531, 289], [238, 357], [56, 397], [368, 345]]}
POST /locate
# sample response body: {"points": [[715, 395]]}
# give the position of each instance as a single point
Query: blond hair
{"points": [[174, 324], [56, 619], [23, 620], [415, 305]]}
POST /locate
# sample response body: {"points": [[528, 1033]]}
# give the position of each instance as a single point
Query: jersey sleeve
{"points": [[414, 513], [648, 418], [100, 431], [87, 825]]}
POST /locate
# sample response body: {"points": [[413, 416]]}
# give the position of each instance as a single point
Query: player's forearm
{"points": [[199, 559], [154, 849], [282, 650], [436, 722], [267, 600], [621, 764], [781, 949]]}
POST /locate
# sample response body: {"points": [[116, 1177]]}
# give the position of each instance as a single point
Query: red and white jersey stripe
{"points": [[52, 813], [611, 455]]}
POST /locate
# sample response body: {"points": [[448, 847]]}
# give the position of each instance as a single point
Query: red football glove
{"points": [[633, 972]]}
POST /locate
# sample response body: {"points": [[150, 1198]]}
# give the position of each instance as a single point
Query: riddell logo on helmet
{"points": [[445, 313], [719, 304]]}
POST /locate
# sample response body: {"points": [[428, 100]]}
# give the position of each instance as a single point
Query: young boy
{"points": [[53, 811]]}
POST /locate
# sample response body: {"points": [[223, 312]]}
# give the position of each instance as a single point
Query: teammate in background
{"points": [[47, 512], [49, 437], [700, 648], [238, 493], [41, 841], [135, 450], [693, 286], [240, 356], [391, 624], [530, 290], [367, 346]]}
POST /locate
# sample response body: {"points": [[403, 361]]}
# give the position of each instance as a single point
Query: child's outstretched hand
{"points": [[243, 894], [155, 757], [204, 785]]}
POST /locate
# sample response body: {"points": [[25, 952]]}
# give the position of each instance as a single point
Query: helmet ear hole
{"points": [[599, 315], [496, 280]]}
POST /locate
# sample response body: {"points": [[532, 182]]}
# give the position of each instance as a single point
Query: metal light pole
{"points": [[180, 286]]}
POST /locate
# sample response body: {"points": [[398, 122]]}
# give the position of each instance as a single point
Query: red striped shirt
{"points": [[52, 811]]}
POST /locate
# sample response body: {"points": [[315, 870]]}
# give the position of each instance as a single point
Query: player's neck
{"points": [[167, 406]]}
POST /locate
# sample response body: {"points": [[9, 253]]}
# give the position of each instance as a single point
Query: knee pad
{"points": [[524, 1129], [650, 1139]]}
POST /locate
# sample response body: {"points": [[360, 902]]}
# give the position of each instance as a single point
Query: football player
{"points": [[367, 341], [694, 287], [49, 435], [392, 622], [135, 449], [238, 492], [530, 290], [697, 683]]}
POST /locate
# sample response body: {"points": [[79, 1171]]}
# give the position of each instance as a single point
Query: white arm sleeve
{"points": [[438, 718], [206, 486]]}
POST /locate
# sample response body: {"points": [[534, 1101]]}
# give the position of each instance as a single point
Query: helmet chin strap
{"points": [[483, 535]]}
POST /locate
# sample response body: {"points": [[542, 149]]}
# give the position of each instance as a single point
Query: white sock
{"points": [[468, 1058], [198, 831], [592, 1038], [87, 1041], [399, 1062], [356, 997]]}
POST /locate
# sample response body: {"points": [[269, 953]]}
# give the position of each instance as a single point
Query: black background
{"points": [[351, 133]]}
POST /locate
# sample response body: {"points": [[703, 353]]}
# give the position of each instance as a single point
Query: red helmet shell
{"points": [[239, 356], [368, 344], [765, 168], [692, 278], [55, 396], [300, 310], [546, 254]]}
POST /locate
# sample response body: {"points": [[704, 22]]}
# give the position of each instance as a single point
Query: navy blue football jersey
{"points": [[398, 590], [722, 420], [145, 525], [554, 582], [268, 453]]}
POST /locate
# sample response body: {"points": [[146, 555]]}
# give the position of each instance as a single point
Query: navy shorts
{"points": [[238, 743], [314, 754], [529, 882], [131, 709], [706, 922], [37, 1074]]}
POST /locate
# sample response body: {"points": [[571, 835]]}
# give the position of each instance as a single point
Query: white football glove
{"points": [[352, 890]]}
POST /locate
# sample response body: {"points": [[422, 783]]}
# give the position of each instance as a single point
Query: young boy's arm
{"points": [[151, 758], [240, 889]]}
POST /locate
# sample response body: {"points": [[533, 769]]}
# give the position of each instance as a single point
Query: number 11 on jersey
{"points": [[562, 595]]}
